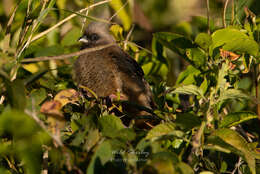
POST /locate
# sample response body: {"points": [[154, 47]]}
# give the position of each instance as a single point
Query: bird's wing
{"points": [[126, 63]]}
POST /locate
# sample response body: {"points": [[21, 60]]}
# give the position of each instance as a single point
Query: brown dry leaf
{"points": [[232, 66], [228, 54], [52, 108], [67, 96]]}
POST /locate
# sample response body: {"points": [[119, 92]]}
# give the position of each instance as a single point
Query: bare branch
{"points": [[66, 56], [224, 14]]}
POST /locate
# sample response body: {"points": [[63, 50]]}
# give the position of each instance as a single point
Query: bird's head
{"points": [[97, 33]]}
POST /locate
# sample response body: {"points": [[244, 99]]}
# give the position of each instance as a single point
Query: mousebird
{"points": [[111, 71]]}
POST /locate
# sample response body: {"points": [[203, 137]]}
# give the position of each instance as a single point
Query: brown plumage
{"points": [[111, 71]]}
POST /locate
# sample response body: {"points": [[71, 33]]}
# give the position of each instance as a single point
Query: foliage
{"points": [[208, 113]]}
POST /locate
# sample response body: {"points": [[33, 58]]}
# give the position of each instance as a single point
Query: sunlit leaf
{"points": [[203, 40], [160, 130], [236, 118], [240, 144], [189, 89], [67, 96]]}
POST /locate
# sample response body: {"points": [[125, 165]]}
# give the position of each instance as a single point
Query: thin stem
{"points": [[256, 72], [123, 6], [66, 19], [128, 36], [65, 56], [224, 14], [41, 124], [208, 21]]}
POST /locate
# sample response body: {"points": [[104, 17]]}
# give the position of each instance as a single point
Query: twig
{"points": [[41, 124], [208, 21], [224, 14], [67, 19], [237, 165], [128, 36], [123, 6], [65, 56], [256, 72], [138, 46]]}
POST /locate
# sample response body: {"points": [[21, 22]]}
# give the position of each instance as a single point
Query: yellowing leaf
{"points": [[117, 5], [67, 96], [33, 67], [52, 108]]}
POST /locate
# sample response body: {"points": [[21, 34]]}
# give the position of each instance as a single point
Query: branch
{"points": [[66, 56], [224, 14], [67, 19], [42, 125]]}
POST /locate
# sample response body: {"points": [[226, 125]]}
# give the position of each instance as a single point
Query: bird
{"points": [[112, 71]]}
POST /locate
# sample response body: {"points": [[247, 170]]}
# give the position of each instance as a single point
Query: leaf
{"points": [[243, 45], [184, 168], [190, 90], [117, 32], [236, 118], [204, 85], [203, 40], [71, 38], [102, 155], [27, 139], [233, 94], [176, 42], [16, 94], [206, 172], [240, 144], [187, 76], [233, 40], [117, 5], [50, 51], [52, 108], [92, 139], [67, 96], [187, 121], [197, 56], [159, 130], [222, 82], [110, 125]]}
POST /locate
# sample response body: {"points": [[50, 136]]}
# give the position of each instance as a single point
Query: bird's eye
{"points": [[94, 37]]}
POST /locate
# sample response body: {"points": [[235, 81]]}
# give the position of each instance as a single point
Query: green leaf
{"points": [[190, 90], [92, 139], [243, 45], [187, 121], [117, 5], [110, 125], [16, 94], [184, 168], [197, 56], [236, 118], [27, 138], [233, 40], [187, 76], [176, 42], [222, 82], [159, 130], [238, 142], [203, 40], [233, 94], [204, 85], [102, 155], [71, 37], [50, 51]]}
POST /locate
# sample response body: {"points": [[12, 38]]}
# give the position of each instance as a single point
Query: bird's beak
{"points": [[83, 39]]}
